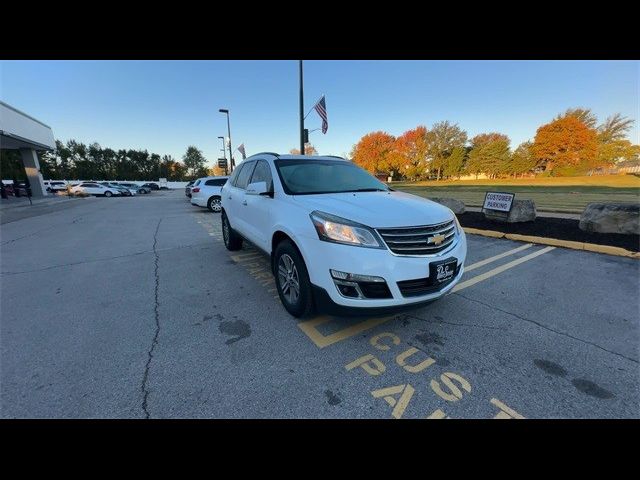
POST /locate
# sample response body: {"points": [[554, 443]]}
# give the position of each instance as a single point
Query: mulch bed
{"points": [[560, 228]]}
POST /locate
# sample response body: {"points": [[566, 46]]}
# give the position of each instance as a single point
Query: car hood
{"points": [[378, 209]]}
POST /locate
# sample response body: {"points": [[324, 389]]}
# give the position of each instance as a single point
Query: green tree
{"points": [[194, 161], [522, 160], [490, 154], [455, 162], [442, 139], [613, 145]]}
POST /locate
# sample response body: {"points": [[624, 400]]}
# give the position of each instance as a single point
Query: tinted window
{"points": [[326, 176], [244, 175], [216, 182], [262, 173], [87, 185]]}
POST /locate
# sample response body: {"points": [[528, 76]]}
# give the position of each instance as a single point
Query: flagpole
{"points": [[301, 111]]}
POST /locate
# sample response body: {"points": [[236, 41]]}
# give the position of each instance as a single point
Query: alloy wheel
{"points": [[288, 278]]}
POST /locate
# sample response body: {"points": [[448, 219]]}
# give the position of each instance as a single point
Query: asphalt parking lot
{"points": [[132, 307]]}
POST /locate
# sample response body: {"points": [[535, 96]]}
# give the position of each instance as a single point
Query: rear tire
{"points": [[292, 280], [214, 204], [232, 240], [107, 194]]}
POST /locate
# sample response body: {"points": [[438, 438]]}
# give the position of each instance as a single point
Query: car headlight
{"points": [[458, 226], [331, 228]]}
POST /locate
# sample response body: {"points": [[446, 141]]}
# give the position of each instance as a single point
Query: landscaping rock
{"points": [[521, 211], [455, 205], [611, 218]]}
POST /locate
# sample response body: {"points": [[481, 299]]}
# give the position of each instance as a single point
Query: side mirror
{"points": [[258, 188]]}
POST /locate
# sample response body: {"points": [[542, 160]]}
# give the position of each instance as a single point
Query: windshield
{"points": [[304, 177]]}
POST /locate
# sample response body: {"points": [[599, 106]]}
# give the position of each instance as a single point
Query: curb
{"points": [[590, 247]]}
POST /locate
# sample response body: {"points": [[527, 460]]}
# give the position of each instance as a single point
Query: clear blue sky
{"points": [[164, 106]]}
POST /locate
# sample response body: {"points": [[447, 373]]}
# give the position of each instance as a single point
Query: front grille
{"points": [[418, 240], [423, 286]]}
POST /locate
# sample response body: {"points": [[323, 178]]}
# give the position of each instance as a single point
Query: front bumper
{"points": [[322, 256]]}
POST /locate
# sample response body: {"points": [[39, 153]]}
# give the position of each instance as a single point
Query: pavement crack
{"points": [[557, 332], [156, 314]]}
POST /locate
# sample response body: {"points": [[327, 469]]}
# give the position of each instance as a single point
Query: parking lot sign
{"points": [[222, 163], [498, 201]]}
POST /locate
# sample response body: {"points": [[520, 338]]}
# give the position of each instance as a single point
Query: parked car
{"points": [[151, 186], [56, 186], [340, 240], [126, 192], [94, 188], [187, 189], [205, 192], [133, 186]]}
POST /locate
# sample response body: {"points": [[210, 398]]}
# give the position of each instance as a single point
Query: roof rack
{"points": [[333, 156]]}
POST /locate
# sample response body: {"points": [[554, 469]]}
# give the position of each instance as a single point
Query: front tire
{"points": [[107, 194], [232, 240], [214, 204], [292, 280]]}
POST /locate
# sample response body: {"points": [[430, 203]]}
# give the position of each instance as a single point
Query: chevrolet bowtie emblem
{"points": [[436, 239]]}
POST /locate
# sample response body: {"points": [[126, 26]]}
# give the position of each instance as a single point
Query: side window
{"points": [[262, 173], [243, 177], [234, 175], [197, 182]]}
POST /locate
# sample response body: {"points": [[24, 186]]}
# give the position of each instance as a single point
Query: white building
{"points": [[19, 131]]}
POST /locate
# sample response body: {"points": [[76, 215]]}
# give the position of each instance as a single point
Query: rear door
{"points": [[91, 188], [257, 208]]}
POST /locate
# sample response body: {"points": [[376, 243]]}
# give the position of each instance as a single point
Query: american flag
{"points": [[241, 150], [321, 108]]}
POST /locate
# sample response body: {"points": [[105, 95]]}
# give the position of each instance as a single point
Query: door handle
{"points": [[244, 202]]}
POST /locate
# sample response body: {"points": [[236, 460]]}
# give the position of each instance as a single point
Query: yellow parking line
{"points": [[321, 341], [500, 269], [497, 257]]}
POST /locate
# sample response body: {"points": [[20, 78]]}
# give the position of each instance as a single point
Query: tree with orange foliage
{"points": [[216, 171], [376, 152], [410, 154], [308, 150], [565, 142]]}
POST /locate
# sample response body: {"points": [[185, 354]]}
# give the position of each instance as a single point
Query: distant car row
{"points": [[106, 189], [205, 192]]}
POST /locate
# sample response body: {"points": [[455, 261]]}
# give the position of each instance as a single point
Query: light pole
{"points": [[224, 152], [224, 110], [301, 109]]}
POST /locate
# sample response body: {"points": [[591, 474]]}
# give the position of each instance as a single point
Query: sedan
{"points": [[124, 190], [93, 188], [136, 187]]}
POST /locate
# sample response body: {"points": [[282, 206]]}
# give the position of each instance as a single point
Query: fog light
{"points": [[348, 290], [354, 277]]}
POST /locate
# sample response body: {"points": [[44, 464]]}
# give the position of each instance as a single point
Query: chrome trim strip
{"points": [[450, 230]]}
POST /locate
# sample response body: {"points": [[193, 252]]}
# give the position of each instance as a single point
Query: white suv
{"points": [[205, 192], [340, 240]]}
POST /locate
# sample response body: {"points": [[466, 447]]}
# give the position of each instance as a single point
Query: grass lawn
{"points": [[561, 194]]}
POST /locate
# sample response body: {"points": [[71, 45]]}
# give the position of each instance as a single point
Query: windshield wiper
{"points": [[368, 190]]}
